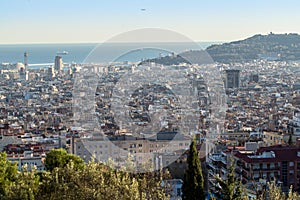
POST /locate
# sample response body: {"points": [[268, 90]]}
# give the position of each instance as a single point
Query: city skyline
{"points": [[32, 21]]}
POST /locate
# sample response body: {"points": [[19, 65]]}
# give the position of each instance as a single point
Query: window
{"points": [[291, 164], [246, 165], [264, 175], [256, 175], [265, 166], [255, 166], [272, 166]]}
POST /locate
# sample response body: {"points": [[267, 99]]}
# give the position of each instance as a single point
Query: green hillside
{"points": [[272, 46]]}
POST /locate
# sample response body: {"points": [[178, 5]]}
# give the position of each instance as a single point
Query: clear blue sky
{"points": [[59, 21]]}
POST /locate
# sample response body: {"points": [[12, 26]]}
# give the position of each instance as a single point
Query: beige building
{"points": [[118, 148], [271, 138]]}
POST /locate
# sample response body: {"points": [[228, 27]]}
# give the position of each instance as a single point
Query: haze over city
{"points": [[34, 21]]}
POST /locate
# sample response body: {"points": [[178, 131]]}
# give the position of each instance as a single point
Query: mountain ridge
{"points": [[272, 46], [281, 47]]}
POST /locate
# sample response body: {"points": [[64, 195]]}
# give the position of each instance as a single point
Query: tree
{"points": [[292, 195], [60, 158], [151, 184], [231, 188], [290, 141], [68, 180], [274, 192], [193, 183], [8, 174], [25, 186], [98, 182]]}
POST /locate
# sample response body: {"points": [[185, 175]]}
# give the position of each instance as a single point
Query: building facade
{"points": [[280, 163], [232, 79], [58, 64]]}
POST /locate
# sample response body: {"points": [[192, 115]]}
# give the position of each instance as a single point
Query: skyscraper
{"points": [[51, 73], [232, 78], [58, 64]]}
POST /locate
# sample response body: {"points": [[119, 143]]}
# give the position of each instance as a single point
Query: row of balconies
{"points": [[256, 178], [258, 167], [266, 169]]}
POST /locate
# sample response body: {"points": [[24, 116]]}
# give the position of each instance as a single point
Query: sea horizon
{"points": [[78, 52]]}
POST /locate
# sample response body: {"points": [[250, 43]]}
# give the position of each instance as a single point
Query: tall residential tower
{"points": [[232, 78], [58, 64]]}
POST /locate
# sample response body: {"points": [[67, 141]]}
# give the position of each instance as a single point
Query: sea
{"points": [[40, 55]]}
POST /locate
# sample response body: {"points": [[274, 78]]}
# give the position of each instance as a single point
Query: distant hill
{"points": [[189, 57], [285, 47], [167, 60], [271, 47]]}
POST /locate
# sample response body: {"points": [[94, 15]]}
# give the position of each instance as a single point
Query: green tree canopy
{"points": [[8, 174], [60, 158], [68, 178]]}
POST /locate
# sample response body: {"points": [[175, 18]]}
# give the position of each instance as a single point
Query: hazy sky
{"points": [[65, 21]]}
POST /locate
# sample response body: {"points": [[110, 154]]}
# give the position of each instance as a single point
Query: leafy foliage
{"points": [[71, 179], [60, 158], [8, 174], [273, 192], [25, 186]]}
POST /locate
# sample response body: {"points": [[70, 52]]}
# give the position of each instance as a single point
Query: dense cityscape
{"points": [[150, 100], [40, 112]]}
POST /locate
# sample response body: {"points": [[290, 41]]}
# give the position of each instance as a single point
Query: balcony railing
{"points": [[212, 166]]}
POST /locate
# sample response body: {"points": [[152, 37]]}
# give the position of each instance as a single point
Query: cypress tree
{"points": [[193, 183], [290, 142]]}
